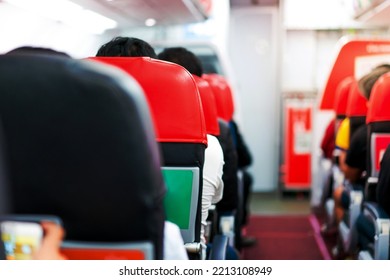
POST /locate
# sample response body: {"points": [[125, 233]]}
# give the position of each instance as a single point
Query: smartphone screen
{"points": [[20, 239]]}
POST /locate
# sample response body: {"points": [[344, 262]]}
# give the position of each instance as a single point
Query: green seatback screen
{"points": [[177, 201]]}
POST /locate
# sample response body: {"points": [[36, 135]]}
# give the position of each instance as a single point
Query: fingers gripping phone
{"points": [[21, 236]]}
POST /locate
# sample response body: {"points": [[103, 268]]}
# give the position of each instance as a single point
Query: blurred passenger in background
{"points": [[126, 46], [244, 161], [327, 148], [353, 155], [327, 142]]}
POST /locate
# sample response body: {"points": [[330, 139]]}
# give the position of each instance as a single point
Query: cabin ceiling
{"points": [[128, 13], [246, 3], [376, 14]]}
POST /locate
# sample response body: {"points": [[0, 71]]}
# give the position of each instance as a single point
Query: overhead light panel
{"points": [[68, 13], [150, 22]]}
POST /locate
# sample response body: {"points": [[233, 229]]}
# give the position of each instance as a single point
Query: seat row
{"points": [[360, 196], [112, 153]]}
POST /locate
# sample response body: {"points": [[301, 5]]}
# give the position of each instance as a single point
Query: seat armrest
{"points": [[218, 250], [193, 248], [374, 211], [381, 222], [227, 227], [347, 229]]}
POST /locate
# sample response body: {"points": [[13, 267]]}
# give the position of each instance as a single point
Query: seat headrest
{"points": [[79, 144], [172, 95], [357, 104], [341, 98], [223, 95], [378, 106], [209, 106]]}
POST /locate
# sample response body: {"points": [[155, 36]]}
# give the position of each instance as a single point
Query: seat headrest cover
{"points": [[357, 104], [79, 144], [342, 93], [223, 95], [172, 95], [209, 106], [378, 106]]}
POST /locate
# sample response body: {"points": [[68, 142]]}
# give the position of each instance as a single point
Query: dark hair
{"points": [[183, 57], [125, 46], [367, 81], [36, 50]]}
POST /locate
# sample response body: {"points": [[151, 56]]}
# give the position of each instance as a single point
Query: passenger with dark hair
{"points": [[183, 57], [229, 202], [244, 158], [126, 46], [367, 81]]}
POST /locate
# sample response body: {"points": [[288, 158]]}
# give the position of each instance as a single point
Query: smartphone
{"points": [[20, 239], [21, 235]]}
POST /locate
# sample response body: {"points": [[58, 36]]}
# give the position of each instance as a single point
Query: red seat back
{"points": [[342, 94], [223, 95], [103, 254], [357, 104], [378, 107], [172, 95], [349, 50], [356, 108], [378, 120], [107, 251], [209, 106]]}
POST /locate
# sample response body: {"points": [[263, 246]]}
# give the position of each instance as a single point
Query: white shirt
{"points": [[173, 243], [212, 179]]}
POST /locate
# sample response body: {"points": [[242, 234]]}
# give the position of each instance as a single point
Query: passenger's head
{"points": [[125, 46], [36, 50], [367, 81], [183, 57]]}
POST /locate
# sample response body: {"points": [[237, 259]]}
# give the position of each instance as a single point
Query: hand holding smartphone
{"points": [[21, 239], [30, 237]]}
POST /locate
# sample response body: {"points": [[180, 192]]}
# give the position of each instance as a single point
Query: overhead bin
{"points": [[375, 12], [135, 12]]}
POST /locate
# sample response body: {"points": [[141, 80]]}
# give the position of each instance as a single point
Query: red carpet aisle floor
{"points": [[285, 238]]}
